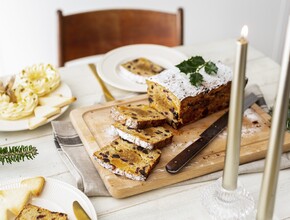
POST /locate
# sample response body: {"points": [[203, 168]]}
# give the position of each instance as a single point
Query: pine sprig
{"points": [[287, 119], [193, 66], [17, 153]]}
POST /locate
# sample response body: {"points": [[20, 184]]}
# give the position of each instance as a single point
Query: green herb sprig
{"points": [[287, 119], [17, 153], [193, 66]]}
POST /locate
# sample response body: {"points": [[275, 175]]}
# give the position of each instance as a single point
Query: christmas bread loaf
{"points": [[172, 94]]}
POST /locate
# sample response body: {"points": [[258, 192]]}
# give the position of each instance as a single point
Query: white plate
{"points": [[109, 67], [22, 124], [57, 196]]}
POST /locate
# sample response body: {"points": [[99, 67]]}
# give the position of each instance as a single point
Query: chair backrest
{"points": [[98, 32]]}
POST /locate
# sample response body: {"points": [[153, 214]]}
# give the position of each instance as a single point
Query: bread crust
{"points": [[32, 212]]}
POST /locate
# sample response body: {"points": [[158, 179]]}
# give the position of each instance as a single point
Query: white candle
{"points": [[272, 164], [232, 159]]}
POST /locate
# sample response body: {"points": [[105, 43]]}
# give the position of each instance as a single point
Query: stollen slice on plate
{"points": [[35, 212]]}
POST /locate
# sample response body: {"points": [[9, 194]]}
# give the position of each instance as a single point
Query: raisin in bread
{"points": [[32, 212], [127, 159], [137, 116], [149, 138], [172, 94], [139, 69]]}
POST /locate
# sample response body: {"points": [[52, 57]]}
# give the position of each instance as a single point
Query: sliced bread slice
{"points": [[126, 159], [138, 70], [56, 101], [35, 185], [15, 199], [3, 210], [46, 111], [137, 116], [35, 212], [35, 122], [149, 138]]}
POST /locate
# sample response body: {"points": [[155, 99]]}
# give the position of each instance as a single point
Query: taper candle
{"points": [[232, 158], [277, 133]]}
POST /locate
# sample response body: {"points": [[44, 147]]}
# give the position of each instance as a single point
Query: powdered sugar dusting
{"points": [[246, 131], [251, 129], [174, 146], [178, 83], [111, 132], [251, 115]]}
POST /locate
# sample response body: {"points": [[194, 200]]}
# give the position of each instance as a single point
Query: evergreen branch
{"points": [[17, 153], [287, 119]]}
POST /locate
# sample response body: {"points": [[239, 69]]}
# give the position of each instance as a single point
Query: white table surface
{"points": [[174, 202]]}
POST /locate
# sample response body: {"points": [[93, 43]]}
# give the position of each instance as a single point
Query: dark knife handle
{"points": [[186, 155]]}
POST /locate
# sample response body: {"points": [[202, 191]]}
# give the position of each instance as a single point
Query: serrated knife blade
{"points": [[79, 212], [179, 161]]}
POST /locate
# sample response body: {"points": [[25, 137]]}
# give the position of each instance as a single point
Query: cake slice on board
{"points": [[137, 116], [149, 138], [127, 159]]}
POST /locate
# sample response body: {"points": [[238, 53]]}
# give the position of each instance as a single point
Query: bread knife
{"points": [[179, 161], [79, 212]]}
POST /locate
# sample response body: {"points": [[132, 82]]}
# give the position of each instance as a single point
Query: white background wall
{"points": [[29, 27]]}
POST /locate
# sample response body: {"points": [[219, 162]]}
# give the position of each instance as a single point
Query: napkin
{"points": [[74, 155], [88, 180]]}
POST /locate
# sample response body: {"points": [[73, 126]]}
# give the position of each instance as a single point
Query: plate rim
{"points": [[143, 88], [63, 110], [93, 213]]}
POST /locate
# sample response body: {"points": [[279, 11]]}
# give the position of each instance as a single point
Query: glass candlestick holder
{"points": [[225, 204]]}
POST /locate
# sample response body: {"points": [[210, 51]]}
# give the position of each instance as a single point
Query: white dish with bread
{"points": [[32, 98], [27, 198], [115, 68]]}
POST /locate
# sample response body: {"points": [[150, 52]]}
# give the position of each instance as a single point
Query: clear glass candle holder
{"points": [[228, 204]]}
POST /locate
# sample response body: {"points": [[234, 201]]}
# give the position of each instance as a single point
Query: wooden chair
{"points": [[98, 32]]}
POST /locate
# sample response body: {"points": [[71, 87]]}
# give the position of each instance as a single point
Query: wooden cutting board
{"points": [[93, 126]]}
